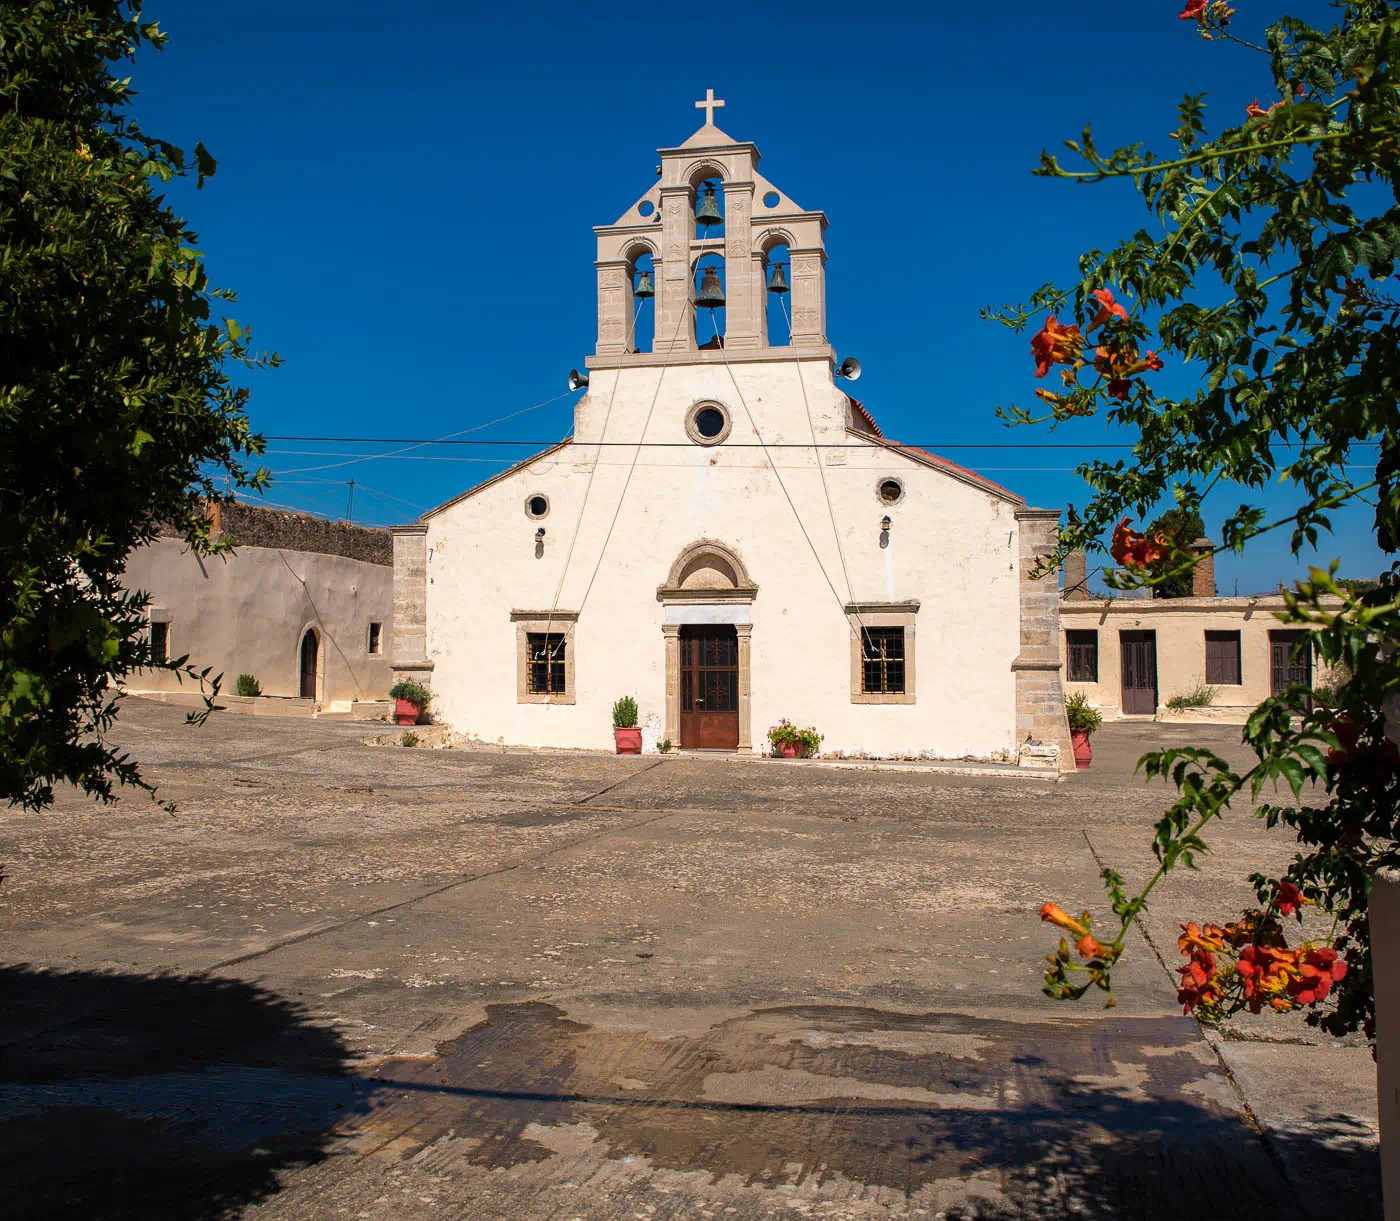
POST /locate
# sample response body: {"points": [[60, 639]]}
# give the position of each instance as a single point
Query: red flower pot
{"points": [[406, 712], [789, 750], [1083, 753], [628, 741]]}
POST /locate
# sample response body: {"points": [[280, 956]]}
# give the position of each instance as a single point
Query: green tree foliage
{"points": [[116, 410], [1184, 526], [1268, 265]]}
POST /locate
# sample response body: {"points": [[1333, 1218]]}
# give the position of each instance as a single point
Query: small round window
{"points": [[890, 491], [536, 506], [707, 423]]}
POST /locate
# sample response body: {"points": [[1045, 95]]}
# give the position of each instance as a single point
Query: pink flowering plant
{"points": [[1268, 273]]}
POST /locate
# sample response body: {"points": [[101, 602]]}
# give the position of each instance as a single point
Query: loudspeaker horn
{"points": [[849, 368], [577, 380]]}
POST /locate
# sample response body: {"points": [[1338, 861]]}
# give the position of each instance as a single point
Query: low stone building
{"points": [[304, 605], [1131, 656]]}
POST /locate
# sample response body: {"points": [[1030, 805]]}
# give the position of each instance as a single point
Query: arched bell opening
{"points": [[641, 318], [708, 293], [777, 283], [708, 203]]}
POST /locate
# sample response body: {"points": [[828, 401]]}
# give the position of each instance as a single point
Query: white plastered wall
{"points": [[952, 546], [246, 615]]}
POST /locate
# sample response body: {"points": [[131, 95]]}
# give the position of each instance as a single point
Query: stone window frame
{"points": [[560, 622], [372, 639], [882, 614], [898, 482], [533, 496], [694, 433]]}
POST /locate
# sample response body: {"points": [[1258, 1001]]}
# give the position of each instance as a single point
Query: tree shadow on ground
{"points": [[125, 1096]]}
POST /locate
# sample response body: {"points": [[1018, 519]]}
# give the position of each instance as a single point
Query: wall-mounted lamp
{"points": [[885, 525], [539, 542], [885, 522]]}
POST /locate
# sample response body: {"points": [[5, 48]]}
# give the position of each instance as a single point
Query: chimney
{"points": [[1076, 577], [1203, 574]]}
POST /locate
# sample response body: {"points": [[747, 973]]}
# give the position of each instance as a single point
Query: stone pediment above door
{"points": [[707, 571]]}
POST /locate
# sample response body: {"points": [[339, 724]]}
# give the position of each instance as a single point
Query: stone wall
{"points": [[256, 526], [1040, 697]]}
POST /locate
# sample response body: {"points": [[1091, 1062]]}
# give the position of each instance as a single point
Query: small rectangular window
{"points": [[1223, 658], [376, 637], [160, 642], [882, 658], [1082, 648], [545, 659]]}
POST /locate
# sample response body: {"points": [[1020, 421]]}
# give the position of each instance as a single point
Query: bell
{"points": [[644, 286], [778, 282], [707, 209], [711, 295]]}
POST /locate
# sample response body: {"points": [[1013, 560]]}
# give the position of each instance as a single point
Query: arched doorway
{"points": [[310, 663], [708, 598]]}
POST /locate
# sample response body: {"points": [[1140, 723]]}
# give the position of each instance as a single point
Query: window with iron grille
{"points": [[1082, 649], [1223, 658], [160, 642], [545, 663], [882, 656]]}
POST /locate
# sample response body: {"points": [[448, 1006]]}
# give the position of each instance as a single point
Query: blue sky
{"points": [[405, 198]]}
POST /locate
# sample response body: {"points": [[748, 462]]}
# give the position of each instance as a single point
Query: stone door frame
{"points": [[725, 600]]}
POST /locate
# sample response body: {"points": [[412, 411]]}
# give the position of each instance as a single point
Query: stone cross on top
{"points": [[709, 106]]}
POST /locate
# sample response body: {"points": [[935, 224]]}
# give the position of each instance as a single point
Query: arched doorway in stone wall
{"points": [[309, 660], [708, 618]]}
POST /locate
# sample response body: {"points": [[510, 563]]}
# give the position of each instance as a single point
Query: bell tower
{"points": [[713, 229]]}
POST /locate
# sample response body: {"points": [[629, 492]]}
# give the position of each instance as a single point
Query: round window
{"points": [[536, 506], [891, 491], [707, 423], [772, 199], [646, 207]]}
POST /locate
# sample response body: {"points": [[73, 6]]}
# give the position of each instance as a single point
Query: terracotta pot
{"points": [[789, 750], [1083, 752], [628, 741], [406, 712]]}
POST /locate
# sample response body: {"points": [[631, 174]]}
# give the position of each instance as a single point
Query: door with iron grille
{"points": [[709, 687], [1139, 673], [1289, 663]]}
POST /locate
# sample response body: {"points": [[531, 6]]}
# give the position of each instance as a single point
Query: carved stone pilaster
{"points": [[808, 297], [671, 633], [743, 291], [745, 634], [613, 291], [674, 331]]}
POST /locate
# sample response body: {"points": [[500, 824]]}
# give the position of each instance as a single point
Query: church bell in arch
{"points": [[644, 287], [711, 294], [707, 209], [778, 282]]}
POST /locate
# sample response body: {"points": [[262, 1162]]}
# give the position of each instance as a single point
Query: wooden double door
{"points": [[709, 687], [1139, 673]]}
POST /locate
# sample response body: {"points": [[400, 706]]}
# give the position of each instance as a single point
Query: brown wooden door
{"points": [[709, 687], [309, 649], [1287, 666], [1139, 673]]}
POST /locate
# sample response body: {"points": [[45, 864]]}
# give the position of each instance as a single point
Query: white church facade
{"points": [[727, 536]]}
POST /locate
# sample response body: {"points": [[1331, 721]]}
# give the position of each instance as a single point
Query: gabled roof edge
{"points": [[496, 478]]}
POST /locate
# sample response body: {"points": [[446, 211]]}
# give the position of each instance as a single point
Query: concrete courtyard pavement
{"points": [[348, 980]]}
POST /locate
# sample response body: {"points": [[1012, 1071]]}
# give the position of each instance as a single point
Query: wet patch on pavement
{"points": [[1084, 1116]]}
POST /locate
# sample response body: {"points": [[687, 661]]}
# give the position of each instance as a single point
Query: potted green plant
{"points": [[627, 737], [411, 700], [1083, 719], [789, 742]]}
